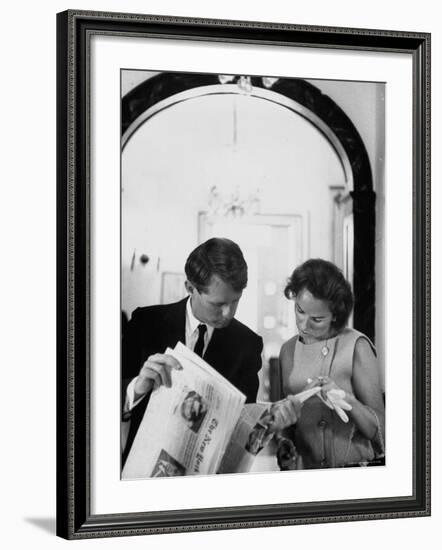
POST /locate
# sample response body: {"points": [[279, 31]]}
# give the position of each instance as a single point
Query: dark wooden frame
{"points": [[74, 519]]}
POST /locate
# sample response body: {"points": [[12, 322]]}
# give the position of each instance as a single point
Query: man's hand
{"points": [[155, 372]]}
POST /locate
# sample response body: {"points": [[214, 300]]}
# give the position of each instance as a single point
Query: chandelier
{"points": [[229, 199], [234, 203]]}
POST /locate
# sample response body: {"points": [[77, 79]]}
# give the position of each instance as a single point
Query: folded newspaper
{"points": [[198, 426]]}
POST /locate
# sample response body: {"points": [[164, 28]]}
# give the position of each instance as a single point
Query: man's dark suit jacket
{"points": [[234, 351]]}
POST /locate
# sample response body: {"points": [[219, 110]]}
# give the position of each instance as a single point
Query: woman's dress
{"points": [[321, 438]]}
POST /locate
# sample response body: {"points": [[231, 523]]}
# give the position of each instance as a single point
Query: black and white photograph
{"points": [[252, 233]]}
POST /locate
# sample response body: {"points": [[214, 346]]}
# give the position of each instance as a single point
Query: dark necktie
{"points": [[199, 346]]}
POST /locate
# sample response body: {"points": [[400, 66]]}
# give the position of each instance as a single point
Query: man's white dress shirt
{"points": [[191, 337]]}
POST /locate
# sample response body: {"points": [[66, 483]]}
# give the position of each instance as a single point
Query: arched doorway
{"points": [[163, 90]]}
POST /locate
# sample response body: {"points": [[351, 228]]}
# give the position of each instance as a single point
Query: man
{"points": [[216, 275]]}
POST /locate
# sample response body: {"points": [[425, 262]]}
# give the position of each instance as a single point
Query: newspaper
{"points": [[250, 435], [201, 425], [186, 428]]}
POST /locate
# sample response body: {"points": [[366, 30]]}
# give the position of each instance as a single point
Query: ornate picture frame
{"points": [[76, 280]]}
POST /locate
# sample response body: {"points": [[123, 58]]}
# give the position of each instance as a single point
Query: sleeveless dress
{"points": [[321, 438]]}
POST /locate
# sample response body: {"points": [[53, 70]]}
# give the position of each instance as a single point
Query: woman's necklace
{"points": [[324, 350], [318, 365]]}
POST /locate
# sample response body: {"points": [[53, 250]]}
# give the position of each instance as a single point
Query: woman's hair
{"points": [[326, 282], [220, 257]]}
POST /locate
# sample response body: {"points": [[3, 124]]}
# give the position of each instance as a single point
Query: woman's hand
{"points": [[288, 411], [285, 413], [328, 384], [335, 398], [286, 454]]}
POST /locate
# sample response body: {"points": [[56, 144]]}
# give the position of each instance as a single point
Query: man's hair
{"points": [[326, 282], [220, 257]]}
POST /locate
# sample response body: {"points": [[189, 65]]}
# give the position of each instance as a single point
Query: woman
{"points": [[343, 423]]}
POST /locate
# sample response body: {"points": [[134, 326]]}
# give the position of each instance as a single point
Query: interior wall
{"points": [[364, 104], [370, 123]]}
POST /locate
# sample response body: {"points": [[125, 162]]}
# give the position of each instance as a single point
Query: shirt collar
{"points": [[194, 322]]}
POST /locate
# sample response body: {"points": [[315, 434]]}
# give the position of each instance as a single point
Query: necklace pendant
{"points": [[325, 351]]}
